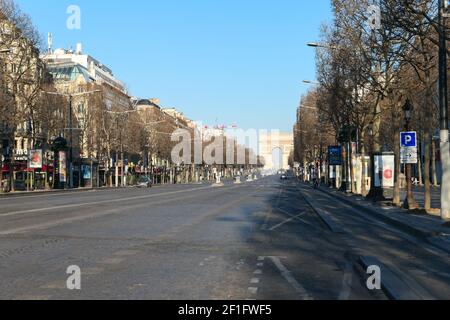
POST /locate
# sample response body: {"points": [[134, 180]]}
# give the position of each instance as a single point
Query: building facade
{"points": [[96, 128]]}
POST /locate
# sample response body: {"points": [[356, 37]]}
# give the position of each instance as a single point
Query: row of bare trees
{"points": [[367, 70], [100, 121]]}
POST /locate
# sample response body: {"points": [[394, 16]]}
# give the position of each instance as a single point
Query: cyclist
{"points": [[315, 178]]}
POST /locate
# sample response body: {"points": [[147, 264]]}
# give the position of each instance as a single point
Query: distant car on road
{"points": [[284, 177], [144, 182]]}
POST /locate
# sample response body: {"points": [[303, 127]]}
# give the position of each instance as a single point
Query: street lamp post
{"points": [[70, 96], [70, 143], [4, 51], [410, 203], [443, 106]]}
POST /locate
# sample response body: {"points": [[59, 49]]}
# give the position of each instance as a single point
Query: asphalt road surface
{"points": [[258, 240]]}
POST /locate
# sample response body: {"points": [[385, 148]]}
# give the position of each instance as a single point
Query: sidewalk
{"points": [[53, 191], [425, 227], [419, 195], [56, 191]]}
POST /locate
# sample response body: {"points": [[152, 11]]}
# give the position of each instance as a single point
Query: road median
{"points": [[427, 228]]}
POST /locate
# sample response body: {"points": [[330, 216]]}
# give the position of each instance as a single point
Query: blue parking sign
{"points": [[408, 139]]}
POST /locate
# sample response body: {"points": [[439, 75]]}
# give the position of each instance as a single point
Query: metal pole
{"points": [[443, 106], [410, 202], [71, 144]]}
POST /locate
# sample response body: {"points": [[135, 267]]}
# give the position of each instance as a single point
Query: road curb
{"points": [[416, 232], [324, 215], [429, 237], [79, 190], [391, 285], [35, 193]]}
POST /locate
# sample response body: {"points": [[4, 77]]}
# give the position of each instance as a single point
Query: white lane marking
{"points": [[50, 195], [290, 279], [297, 218], [346, 282], [253, 290], [47, 225], [261, 258], [254, 281], [260, 264], [77, 205], [270, 211], [258, 271], [287, 221], [50, 224]]}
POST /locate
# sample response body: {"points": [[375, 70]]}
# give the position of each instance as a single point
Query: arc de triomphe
{"points": [[276, 147]]}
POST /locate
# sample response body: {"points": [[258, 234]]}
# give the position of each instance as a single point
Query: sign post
{"points": [[409, 156], [408, 148], [334, 162]]}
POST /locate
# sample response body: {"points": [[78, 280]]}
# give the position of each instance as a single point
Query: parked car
{"points": [[144, 182]]}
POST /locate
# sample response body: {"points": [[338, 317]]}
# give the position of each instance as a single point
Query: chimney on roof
{"points": [[50, 43], [79, 48]]}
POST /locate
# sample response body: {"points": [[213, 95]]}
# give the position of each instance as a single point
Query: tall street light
{"points": [[410, 203], [310, 82], [443, 106], [71, 128], [2, 51], [122, 156]]}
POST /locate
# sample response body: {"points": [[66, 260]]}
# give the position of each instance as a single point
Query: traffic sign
{"points": [[335, 155], [409, 155], [408, 139], [408, 148]]}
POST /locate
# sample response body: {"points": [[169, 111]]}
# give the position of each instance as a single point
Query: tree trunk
{"points": [[427, 172], [363, 166], [433, 163], [397, 196], [419, 166]]}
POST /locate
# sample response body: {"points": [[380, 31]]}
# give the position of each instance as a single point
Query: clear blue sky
{"points": [[237, 61]]}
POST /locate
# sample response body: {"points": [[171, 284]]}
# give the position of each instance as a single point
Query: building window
{"points": [[81, 108]]}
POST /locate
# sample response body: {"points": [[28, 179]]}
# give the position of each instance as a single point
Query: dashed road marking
{"points": [[258, 271], [255, 281]]}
